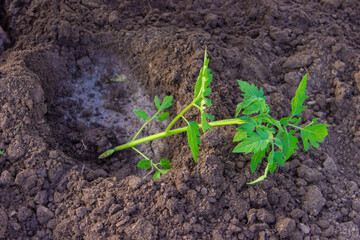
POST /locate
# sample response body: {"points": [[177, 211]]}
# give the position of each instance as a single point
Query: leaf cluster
{"points": [[164, 163], [268, 138], [161, 116]]}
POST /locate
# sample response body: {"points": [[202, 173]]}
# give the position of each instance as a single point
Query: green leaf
{"points": [[274, 122], [105, 154], [279, 144], [166, 103], [163, 116], [255, 107], [2, 153], [207, 92], [285, 121], [253, 143], [165, 163], [204, 123], [208, 102], [239, 135], [141, 114], [313, 121], [289, 143], [239, 107], [160, 172], [193, 134], [275, 158], [249, 125], [157, 102], [296, 121], [313, 134], [256, 160], [300, 97], [254, 100], [250, 91], [144, 164], [201, 91], [211, 117], [203, 81]]}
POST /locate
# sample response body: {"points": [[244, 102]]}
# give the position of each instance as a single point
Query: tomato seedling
{"points": [[258, 133]]}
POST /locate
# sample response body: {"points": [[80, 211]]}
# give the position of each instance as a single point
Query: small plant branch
{"points": [[179, 116], [143, 126], [233, 121], [138, 151], [258, 133]]}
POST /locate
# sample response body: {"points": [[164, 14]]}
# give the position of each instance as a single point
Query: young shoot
{"points": [[258, 133]]}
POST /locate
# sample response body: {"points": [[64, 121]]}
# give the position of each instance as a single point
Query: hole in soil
{"points": [[95, 112]]}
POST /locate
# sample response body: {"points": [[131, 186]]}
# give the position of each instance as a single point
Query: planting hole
{"points": [[95, 112]]}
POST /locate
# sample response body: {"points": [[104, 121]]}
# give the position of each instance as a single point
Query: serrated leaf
{"points": [[289, 142], [298, 101], [144, 164], [285, 121], [202, 90], [279, 144], [204, 123], [273, 122], [163, 116], [141, 114], [272, 167], [239, 135], [105, 154], [210, 117], [254, 107], [165, 163], [256, 160], [249, 125], [167, 102], [296, 121], [204, 79], [208, 102], [238, 109], [207, 92], [254, 100], [253, 143], [250, 91], [157, 102], [193, 134], [313, 134], [275, 158], [160, 172]]}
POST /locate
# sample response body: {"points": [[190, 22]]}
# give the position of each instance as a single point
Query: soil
{"points": [[60, 108]]}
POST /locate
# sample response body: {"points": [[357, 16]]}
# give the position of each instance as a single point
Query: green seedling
{"points": [[1, 153], [258, 133]]}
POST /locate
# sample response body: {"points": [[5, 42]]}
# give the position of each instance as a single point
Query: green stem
{"points": [[149, 120], [179, 116], [144, 156], [295, 126], [138, 151], [175, 131]]}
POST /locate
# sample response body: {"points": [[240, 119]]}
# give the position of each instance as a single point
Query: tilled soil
{"points": [[60, 108]]}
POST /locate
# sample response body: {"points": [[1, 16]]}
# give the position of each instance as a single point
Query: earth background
{"points": [[60, 109]]}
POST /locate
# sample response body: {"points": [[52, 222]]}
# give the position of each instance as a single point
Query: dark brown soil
{"points": [[56, 95]]}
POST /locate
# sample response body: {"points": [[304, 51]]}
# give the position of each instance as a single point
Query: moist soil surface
{"points": [[62, 104]]}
